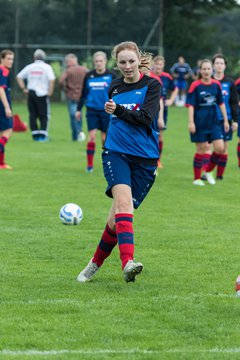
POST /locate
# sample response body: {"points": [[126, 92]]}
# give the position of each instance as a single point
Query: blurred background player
{"points": [[72, 82], [181, 72], [168, 86], [129, 169], [94, 96], [203, 96], [230, 98], [6, 121], [237, 84], [40, 80]]}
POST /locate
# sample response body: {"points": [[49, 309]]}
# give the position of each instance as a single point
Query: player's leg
{"points": [[222, 162], [4, 137], [198, 163], [92, 121], [218, 150]]}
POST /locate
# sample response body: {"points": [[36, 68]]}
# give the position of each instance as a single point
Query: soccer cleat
{"points": [[87, 273], [210, 178], [89, 169], [131, 269], [220, 177], [198, 182], [5, 166]]}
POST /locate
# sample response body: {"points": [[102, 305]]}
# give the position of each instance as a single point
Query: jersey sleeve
{"points": [[84, 95], [233, 101], [191, 96], [2, 79], [23, 74], [148, 110], [220, 100]]}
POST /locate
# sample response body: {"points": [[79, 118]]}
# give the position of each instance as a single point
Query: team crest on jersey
{"points": [[208, 98]]}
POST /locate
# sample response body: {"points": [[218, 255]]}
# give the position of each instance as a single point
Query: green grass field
{"points": [[183, 306]]}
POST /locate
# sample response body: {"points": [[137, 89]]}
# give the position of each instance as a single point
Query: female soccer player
{"points": [[94, 95], [6, 122], [168, 86], [203, 96], [129, 158], [230, 98], [237, 83]]}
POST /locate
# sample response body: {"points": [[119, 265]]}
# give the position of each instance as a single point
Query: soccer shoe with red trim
{"points": [[88, 273], [131, 269], [5, 166]]}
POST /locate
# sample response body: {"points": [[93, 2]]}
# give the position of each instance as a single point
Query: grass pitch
{"points": [[182, 306]]}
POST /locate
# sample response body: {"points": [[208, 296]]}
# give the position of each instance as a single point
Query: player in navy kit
{"points": [[181, 71], [230, 98], [94, 96], [237, 84], [6, 121], [203, 96], [168, 87], [129, 158]]}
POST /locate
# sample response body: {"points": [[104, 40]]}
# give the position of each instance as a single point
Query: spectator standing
{"points": [[72, 82], [40, 80]]}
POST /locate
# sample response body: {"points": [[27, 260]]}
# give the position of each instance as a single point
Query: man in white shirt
{"points": [[40, 79]]}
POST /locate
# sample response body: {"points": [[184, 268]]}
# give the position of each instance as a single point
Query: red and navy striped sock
{"points": [[222, 163], [90, 153], [125, 236], [238, 153], [3, 141], [105, 246], [197, 165], [213, 162], [206, 161], [160, 147]]}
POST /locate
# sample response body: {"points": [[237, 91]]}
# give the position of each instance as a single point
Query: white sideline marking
{"points": [[109, 351], [76, 302]]}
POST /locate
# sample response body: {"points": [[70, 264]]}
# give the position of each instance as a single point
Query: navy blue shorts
{"points": [[227, 136], [97, 120], [181, 84], [121, 169], [5, 123], [215, 133]]}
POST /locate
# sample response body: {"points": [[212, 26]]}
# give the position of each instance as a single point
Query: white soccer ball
{"points": [[71, 214]]}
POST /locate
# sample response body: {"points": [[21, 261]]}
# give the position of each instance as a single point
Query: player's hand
{"points": [[161, 124], [110, 106], [226, 126], [192, 128], [234, 126], [78, 115], [168, 102], [8, 112]]}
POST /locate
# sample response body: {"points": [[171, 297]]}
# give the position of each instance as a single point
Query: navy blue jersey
{"points": [[168, 84], [230, 98], [205, 98], [5, 84], [95, 89], [133, 128], [181, 70]]}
